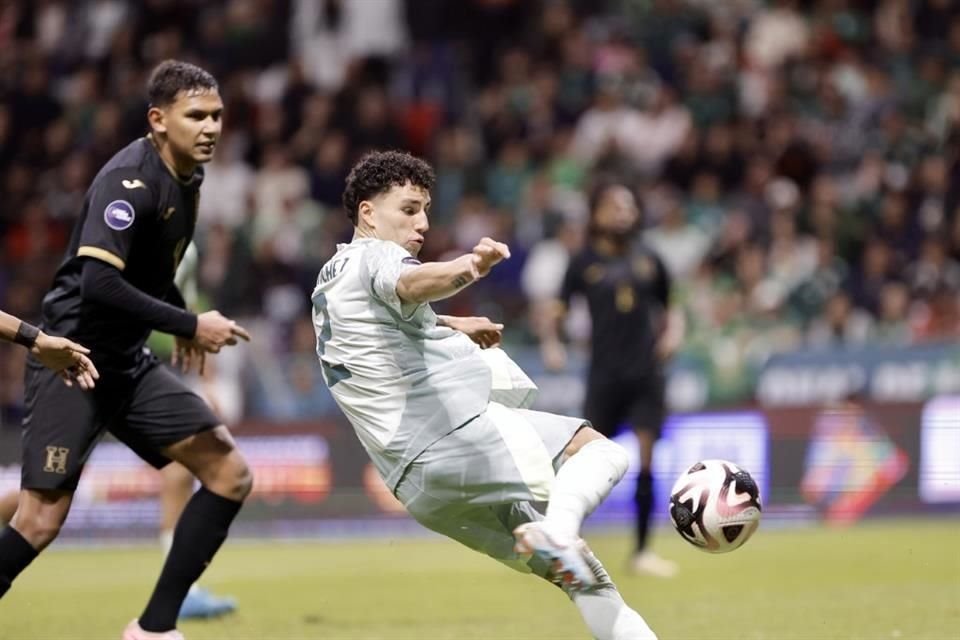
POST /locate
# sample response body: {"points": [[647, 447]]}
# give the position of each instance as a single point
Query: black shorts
{"points": [[635, 402], [147, 411]]}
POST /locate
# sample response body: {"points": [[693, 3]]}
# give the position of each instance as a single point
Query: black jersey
{"points": [[139, 217], [627, 296]]}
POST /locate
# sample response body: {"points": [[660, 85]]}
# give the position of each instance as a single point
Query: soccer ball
{"points": [[715, 506]]}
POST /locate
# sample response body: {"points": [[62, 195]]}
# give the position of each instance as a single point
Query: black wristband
{"points": [[26, 335]]}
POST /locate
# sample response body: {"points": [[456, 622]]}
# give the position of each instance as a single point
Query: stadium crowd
{"points": [[796, 161]]}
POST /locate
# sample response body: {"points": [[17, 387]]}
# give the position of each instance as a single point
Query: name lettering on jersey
{"points": [[134, 184], [332, 269], [119, 215], [56, 460], [170, 211]]}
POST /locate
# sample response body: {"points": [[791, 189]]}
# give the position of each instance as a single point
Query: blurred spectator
{"points": [[893, 320], [840, 323], [679, 243]]}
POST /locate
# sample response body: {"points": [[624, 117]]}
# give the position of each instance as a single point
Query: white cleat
{"points": [[134, 632], [650, 564], [569, 558]]}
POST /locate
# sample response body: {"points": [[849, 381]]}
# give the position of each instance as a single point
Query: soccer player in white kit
{"points": [[441, 410]]}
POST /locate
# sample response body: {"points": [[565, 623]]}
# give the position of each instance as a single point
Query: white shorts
{"points": [[478, 483]]}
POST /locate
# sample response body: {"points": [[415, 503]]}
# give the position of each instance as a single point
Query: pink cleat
{"points": [[134, 632], [570, 559]]}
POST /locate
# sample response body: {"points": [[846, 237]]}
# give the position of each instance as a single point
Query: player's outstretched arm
{"points": [[439, 280], [64, 356], [214, 331]]}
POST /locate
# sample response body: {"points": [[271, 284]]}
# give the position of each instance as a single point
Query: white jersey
{"points": [[402, 381]]}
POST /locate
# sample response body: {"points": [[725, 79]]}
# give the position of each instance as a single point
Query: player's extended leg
{"points": [[176, 488], [645, 561], [37, 522], [601, 606], [489, 530], [8, 506], [591, 466], [225, 482], [606, 614]]}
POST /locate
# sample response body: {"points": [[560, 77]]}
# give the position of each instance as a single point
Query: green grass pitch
{"points": [[884, 579]]}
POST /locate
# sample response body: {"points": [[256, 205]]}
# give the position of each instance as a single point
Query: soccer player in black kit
{"points": [[627, 290], [114, 286]]}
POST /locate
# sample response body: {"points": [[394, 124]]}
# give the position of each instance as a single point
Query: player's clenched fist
{"points": [[487, 253], [215, 331]]}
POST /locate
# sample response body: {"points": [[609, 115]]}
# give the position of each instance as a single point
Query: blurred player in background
{"points": [[114, 286], [627, 290], [177, 483], [442, 412]]}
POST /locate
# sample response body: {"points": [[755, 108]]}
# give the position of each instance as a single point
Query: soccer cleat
{"points": [[569, 559], [134, 632], [201, 604], [649, 563]]}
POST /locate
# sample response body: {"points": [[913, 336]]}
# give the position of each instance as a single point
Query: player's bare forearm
{"points": [[8, 326], [436, 280], [66, 357], [13, 329], [439, 280]]}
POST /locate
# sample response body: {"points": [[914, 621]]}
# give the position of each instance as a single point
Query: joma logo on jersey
{"points": [[133, 184], [56, 460]]}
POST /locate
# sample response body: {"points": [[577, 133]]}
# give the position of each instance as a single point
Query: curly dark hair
{"points": [[170, 77], [376, 172]]}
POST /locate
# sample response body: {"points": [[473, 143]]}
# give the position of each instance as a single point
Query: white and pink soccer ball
{"points": [[715, 506]]}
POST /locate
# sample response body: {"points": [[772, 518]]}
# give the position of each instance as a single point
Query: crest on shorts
{"points": [[56, 460], [119, 215]]}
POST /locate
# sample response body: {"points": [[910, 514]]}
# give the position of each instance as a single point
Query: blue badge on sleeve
{"points": [[119, 215]]}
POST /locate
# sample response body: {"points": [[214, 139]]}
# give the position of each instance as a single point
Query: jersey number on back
{"points": [[331, 373]]}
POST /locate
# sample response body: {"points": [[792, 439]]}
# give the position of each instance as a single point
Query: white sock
{"points": [[582, 483], [609, 618]]}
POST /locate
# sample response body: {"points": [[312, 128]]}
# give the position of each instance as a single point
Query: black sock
{"points": [[15, 554], [644, 502], [201, 530]]}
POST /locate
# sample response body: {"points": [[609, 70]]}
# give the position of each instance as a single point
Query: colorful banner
{"points": [[837, 462], [940, 451]]}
